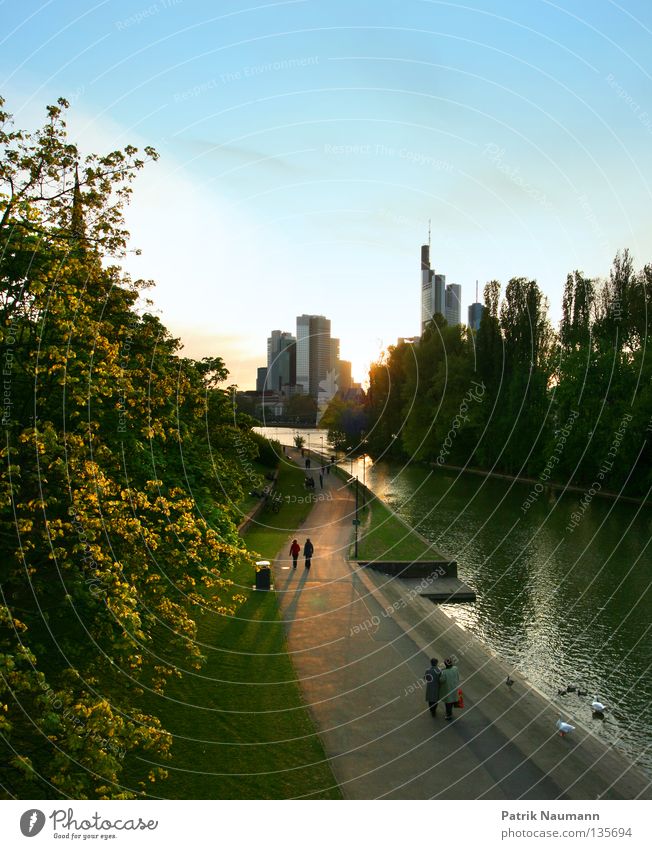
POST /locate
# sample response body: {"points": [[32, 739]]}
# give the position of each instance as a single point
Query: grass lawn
{"points": [[250, 501], [241, 729], [270, 532], [383, 536]]}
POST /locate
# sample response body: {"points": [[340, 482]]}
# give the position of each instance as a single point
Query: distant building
{"points": [[453, 304], [281, 361], [344, 380], [303, 353], [314, 353], [334, 355], [434, 292], [427, 288], [261, 378], [475, 316], [436, 296]]}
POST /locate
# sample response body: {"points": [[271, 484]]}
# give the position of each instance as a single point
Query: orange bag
{"points": [[460, 698]]}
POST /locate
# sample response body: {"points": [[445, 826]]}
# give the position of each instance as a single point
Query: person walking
{"points": [[449, 681], [307, 462], [432, 676], [321, 480], [308, 551], [295, 551]]}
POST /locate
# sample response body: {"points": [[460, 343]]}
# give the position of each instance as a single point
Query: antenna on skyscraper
{"points": [[476, 291], [428, 235]]}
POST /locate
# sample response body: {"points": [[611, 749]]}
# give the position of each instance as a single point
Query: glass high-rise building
{"points": [[314, 352], [281, 360], [475, 316], [453, 304], [433, 290]]}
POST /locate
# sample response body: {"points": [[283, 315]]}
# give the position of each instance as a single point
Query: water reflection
{"points": [[561, 607]]}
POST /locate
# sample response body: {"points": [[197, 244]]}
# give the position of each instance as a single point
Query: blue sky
{"points": [[304, 146]]}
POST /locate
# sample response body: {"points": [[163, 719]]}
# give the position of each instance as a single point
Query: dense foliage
{"points": [[122, 461], [516, 397]]}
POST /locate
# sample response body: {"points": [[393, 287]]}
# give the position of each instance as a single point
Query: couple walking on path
{"points": [[308, 551], [442, 684]]}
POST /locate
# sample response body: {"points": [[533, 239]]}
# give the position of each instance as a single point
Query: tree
{"points": [[303, 407], [122, 463], [346, 421], [40, 179]]}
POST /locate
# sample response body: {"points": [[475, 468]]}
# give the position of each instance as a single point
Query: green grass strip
{"points": [[242, 730], [384, 536]]}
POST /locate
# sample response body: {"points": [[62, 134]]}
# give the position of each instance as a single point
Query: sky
{"points": [[305, 146]]}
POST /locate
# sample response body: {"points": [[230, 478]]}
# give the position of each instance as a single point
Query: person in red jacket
{"points": [[295, 550]]}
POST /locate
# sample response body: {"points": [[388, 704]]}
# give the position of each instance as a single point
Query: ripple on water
{"points": [[561, 608]]}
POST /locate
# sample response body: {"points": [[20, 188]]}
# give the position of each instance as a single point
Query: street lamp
{"points": [[356, 521]]}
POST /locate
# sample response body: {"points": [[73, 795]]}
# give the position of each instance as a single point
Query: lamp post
{"points": [[356, 521]]}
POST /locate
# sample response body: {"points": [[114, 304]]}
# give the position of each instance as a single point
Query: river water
{"points": [[562, 605]]}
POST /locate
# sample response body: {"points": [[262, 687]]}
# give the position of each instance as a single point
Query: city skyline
{"points": [[306, 363]]}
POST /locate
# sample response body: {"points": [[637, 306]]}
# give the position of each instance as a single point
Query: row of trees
{"points": [[122, 461], [517, 397]]}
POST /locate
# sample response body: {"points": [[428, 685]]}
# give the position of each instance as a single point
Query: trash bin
{"points": [[263, 575]]}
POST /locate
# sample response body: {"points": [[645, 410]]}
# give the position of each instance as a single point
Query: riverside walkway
{"points": [[361, 642]]}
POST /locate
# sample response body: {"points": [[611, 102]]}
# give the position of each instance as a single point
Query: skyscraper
{"points": [[261, 379], [453, 304], [303, 354], [427, 299], [475, 311], [475, 316], [281, 360], [314, 352], [436, 296], [433, 290]]}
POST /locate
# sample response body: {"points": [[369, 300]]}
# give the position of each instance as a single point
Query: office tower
{"points": [[475, 316], [281, 360], [261, 377], [427, 302], [433, 290], [320, 352], [314, 352], [453, 304], [475, 311], [303, 353], [334, 354], [439, 292], [344, 379]]}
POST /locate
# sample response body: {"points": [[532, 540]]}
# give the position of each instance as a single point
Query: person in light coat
{"points": [[449, 681], [432, 685]]}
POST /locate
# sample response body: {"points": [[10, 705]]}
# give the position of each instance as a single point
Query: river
{"points": [[561, 604]]}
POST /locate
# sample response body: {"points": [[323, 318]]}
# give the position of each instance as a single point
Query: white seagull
{"points": [[597, 707], [564, 728]]}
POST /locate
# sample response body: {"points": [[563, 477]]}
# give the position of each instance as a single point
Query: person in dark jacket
{"points": [[295, 551], [432, 685], [308, 551], [449, 681]]}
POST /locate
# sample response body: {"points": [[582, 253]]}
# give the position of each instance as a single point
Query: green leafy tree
{"points": [[121, 465]]}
